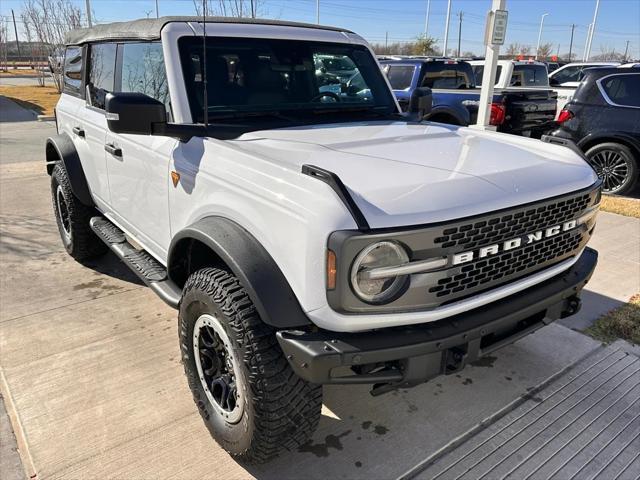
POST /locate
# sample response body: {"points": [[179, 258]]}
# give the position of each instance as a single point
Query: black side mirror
{"points": [[553, 82], [421, 101], [134, 113]]}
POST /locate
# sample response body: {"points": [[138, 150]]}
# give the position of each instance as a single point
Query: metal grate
{"points": [[522, 261], [496, 229]]}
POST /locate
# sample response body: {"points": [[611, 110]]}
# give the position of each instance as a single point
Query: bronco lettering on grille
{"points": [[513, 243]]}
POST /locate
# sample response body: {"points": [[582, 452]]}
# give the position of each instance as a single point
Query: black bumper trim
{"points": [[424, 351]]}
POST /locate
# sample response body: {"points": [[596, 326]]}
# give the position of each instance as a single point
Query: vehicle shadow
{"points": [[367, 437], [109, 264]]}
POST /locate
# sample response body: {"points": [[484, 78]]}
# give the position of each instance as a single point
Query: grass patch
{"points": [[629, 207], [40, 99], [623, 322]]}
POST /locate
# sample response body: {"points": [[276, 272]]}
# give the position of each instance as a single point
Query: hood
{"points": [[403, 174]]}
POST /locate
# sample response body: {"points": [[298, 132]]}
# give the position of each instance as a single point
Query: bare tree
{"points": [[46, 22], [566, 57], [231, 8], [4, 46], [607, 54], [525, 50], [513, 49], [545, 50]]}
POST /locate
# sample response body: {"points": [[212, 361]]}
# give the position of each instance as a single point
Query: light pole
{"points": [[88, 5], [540, 34], [593, 29], [426, 20], [318, 12], [446, 29], [586, 45]]}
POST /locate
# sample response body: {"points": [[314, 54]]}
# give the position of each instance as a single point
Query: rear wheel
{"points": [[616, 165], [251, 401], [72, 217]]}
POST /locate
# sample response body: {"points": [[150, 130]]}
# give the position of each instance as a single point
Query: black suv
{"points": [[603, 119]]}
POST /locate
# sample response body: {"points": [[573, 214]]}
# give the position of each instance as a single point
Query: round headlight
{"points": [[378, 255]]}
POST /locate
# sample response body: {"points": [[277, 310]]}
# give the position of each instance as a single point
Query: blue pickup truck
{"points": [[522, 111]]}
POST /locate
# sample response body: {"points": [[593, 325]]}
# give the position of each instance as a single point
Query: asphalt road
{"points": [[91, 366]]}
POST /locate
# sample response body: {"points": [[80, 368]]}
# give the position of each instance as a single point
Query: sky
{"points": [[403, 20]]}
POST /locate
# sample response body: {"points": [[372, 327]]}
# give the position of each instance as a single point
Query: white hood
{"points": [[401, 174]]}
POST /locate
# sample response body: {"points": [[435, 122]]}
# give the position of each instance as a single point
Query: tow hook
{"points": [[573, 305]]}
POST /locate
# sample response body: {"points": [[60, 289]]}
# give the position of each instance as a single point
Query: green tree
{"points": [[424, 46]]}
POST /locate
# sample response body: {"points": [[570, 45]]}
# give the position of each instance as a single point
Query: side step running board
{"points": [[150, 271]]}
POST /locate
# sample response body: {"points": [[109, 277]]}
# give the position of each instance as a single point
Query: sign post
{"points": [[494, 36]]}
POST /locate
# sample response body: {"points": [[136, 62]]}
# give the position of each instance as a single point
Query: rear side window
{"points": [[400, 76], [449, 75], [622, 89], [143, 71], [478, 72], [73, 71], [102, 67], [529, 76]]}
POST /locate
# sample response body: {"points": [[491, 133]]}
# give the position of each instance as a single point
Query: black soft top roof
{"points": [[149, 28]]}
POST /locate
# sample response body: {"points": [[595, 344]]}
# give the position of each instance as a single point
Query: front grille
{"points": [[504, 227], [494, 269]]}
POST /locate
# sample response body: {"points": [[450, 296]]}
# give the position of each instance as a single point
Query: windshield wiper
{"points": [[251, 115]]}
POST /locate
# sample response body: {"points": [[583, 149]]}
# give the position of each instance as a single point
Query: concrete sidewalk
{"points": [[92, 368]]}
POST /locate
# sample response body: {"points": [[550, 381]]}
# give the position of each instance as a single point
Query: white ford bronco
{"points": [[306, 231]]}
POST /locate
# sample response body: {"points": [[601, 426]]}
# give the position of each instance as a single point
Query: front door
{"points": [[138, 165]]}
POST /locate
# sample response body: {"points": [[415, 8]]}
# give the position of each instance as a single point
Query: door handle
{"points": [[78, 131], [113, 150]]}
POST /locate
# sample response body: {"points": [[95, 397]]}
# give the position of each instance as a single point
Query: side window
{"points": [[623, 89], [569, 74], [72, 78], [102, 66], [400, 76], [143, 71], [449, 75], [478, 72]]}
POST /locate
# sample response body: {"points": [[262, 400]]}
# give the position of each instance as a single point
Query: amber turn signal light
{"points": [[331, 270]]}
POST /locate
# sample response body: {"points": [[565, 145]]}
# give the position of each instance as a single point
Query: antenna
{"points": [[204, 64]]}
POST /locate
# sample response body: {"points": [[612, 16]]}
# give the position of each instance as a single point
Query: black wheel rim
{"points": [[217, 368], [63, 212], [612, 167]]}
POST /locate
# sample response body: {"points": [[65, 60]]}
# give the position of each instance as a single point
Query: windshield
{"points": [[247, 77]]}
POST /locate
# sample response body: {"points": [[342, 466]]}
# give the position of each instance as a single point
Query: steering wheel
{"points": [[326, 94]]}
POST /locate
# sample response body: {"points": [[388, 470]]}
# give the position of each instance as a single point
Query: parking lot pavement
{"points": [[92, 368], [12, 112]]}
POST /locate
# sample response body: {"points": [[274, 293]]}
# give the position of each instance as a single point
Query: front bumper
{"points": [[406, 356]]}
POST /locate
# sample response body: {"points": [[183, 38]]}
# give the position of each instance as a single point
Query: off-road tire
{"points": [[630, 160], [281, 410], [80, 242]]}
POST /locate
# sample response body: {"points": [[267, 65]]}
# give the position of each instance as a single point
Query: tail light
{"points": [[497, 114], [564, 116]]}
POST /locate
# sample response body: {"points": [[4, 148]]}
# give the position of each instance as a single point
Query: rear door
{"points": [[93, 126]]}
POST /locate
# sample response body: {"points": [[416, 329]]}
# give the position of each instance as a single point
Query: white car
{"points": [[306, 237], [571, 74]]}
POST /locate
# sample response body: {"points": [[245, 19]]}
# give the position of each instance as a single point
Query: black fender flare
{"points": [[461, 117], [61, 147], [248, 260]]}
